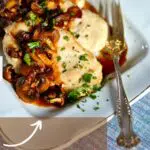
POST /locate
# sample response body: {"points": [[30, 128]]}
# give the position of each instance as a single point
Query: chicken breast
{"points": [[10, 41], [75, 62], [92, 31]]}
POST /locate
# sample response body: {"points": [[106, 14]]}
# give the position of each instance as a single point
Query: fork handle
{"points": [[127, 136], [123, 108]]}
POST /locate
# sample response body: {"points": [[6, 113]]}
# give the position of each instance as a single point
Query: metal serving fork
{"points": [[116, 44]]}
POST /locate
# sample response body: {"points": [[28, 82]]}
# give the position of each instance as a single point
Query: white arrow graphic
{"points": [[38, 125]]}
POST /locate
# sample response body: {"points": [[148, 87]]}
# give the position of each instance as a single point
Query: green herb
{"points": [[96, 88], [64, 65], [85, 85], [96, 108], [83, 57], [86, 35], [43, 4], [128, 76], [77, 93], [33, 45], [87, 77], [76, 66], [51, 23], [73, 95], [94, 77], [58, 58], [28, 22], [64, 70], [33, 51], [78, 106], [84, 101], [62, 49], [66, 38], [88, 25], [33, 19], [27, 59], [97, 103], [77, 35], [32, 16], [93, 96]]}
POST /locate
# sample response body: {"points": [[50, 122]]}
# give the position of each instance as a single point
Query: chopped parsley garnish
{"points": [[86, 35], [77, 35], [33, 51], [94, 77], [83, 57], [64, 65], [33, 45], [97, 103], [86, 85], [96, 108], [58, 58], [128, 76], [88, 25], [62, 49], [51, 23], [66, 38], [107, 100], [78, 106], [27, 22], [43, 4], [77, 93], [32, 16], [27, 59], [96, 88], [87, 77], [73, 95], [84, 101], [93, 96]]}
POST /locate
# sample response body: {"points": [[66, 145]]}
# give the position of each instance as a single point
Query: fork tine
{"points": [[103, 7], [117, 21]]}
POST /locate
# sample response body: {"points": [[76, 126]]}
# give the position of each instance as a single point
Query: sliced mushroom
{"points": [[36, 8], [44, 84], [45, 59], [8, 72]]}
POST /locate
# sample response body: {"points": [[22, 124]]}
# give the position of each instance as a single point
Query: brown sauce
{"points": [[107, 63]]}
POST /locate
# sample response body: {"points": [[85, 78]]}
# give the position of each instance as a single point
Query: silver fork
{"points": [[127, 136]]}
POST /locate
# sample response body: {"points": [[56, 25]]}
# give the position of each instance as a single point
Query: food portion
{"points": [[53, 49]]}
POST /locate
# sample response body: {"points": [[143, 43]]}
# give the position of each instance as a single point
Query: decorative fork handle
{"points": [[127, 136]]}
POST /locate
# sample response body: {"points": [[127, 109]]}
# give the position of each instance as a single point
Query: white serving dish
{"points": [[137, 63]]}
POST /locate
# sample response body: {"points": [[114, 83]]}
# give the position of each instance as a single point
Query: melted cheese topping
{"points": [[92, 31], [72, 67]]}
